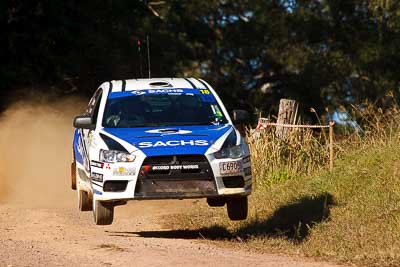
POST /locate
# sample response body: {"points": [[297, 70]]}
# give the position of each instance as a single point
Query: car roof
{"points": [[157, 83]]}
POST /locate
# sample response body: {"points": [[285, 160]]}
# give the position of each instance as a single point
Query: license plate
{"points": [[231, 167]]}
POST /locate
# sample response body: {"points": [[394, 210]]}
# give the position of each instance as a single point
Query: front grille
{"points": [[175, 177], [178, 158], [180, 167]]}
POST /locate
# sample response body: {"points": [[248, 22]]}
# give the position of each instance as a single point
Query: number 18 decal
{"points": [[205, 92]]}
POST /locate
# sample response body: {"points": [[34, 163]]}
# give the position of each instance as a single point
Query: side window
{"points": [[96, 107], [92, 102]]}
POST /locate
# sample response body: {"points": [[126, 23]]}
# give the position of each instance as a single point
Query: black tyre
{"points": [[84, 201], [73, 175], [215, 202], [237, 208], [103, 212]]}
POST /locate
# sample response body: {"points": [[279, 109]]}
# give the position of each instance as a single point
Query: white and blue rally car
{"points": [[166, 138]]}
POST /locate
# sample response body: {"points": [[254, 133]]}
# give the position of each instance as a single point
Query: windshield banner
{"points": [[205, 94]]}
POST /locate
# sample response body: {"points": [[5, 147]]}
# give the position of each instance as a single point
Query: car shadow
{"points": [[211, 233], [292, 221]]}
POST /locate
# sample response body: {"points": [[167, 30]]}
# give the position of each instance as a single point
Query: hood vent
{"points": [[160, 84]]}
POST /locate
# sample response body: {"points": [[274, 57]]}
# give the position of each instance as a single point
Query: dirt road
{"points": [[41, 226], [63, 236]]}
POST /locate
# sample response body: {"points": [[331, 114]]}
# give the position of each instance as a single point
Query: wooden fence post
{"points": [[331, 124], [287, 115]]}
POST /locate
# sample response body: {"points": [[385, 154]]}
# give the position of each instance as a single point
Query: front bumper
{"points": [[150, 179]]}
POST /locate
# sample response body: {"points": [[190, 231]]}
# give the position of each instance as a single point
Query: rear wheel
{"points": [[84, 201], [237, 208], [103, 212], [73, 175], [215, 202]]}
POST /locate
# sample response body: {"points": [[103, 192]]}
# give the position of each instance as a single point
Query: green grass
{"points": [[349, 215]]}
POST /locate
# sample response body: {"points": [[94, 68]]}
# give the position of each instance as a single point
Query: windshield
{"points": [[164, 107]]}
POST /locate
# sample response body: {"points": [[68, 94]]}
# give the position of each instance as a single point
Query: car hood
{"points": [[157, 141]]}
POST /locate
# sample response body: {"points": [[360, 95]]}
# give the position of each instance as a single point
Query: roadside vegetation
{"points": [[349, 215]]}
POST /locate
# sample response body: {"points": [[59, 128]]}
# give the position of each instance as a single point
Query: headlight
{"points": [[230, 148], [112, 156], [232, 152]]}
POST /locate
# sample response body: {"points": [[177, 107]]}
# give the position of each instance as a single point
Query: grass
{"points": [[276, 160], [349, 215]]}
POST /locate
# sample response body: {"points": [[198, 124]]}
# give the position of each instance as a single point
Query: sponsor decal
{"points": [[175, 167], [231, 167], [97, 164], [173, 143], [97, 192], [138, 92], [82, 151], [157, 91], [160, 168], [168, 131], [164, 91], [123, 171], [206, 96], [204, 91], [97, 177], [80, 145]]}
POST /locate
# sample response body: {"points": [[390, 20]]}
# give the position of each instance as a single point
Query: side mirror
{"points": [[240, 116], [84, 122]]}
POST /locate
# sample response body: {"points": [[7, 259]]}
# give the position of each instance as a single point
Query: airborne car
{"points": [[166, 138]]}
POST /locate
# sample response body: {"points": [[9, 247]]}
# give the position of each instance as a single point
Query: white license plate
{"points": [[231, 167]]}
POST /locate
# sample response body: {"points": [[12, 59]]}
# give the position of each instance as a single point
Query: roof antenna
{"points": [[148, 54], [146, 2], [140, 58]]}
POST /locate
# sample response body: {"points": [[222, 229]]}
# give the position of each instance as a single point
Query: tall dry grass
{"points": [[376, 124], [306, 151], [302, 151]]}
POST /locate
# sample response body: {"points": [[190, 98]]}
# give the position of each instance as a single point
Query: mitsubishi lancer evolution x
{"points": [[166, 138]]}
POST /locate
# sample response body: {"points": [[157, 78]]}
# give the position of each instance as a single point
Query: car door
{"points": [[87, 134]]}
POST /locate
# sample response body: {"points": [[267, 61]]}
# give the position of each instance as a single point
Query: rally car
{"points": [[169, 138]]}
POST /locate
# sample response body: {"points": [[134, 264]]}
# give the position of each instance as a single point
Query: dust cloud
{"points": [[35, 158], [36, 152]]}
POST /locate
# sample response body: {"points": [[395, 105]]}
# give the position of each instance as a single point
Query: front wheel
{"points": [[215, 202], [84, 201], [103, 212], [237, 208]]}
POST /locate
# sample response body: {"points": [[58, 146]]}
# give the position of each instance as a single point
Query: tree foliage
{"points": [[324, 53]]}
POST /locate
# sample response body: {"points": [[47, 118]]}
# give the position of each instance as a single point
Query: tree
{"points": [[322, 53]]}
